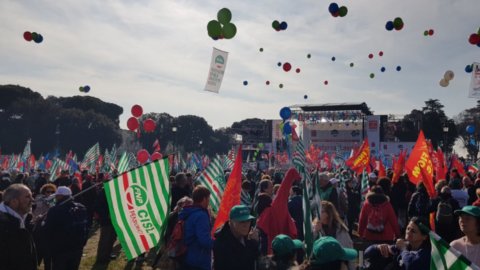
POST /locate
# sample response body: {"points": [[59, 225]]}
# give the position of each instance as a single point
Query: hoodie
{"points": [[391, 229]]}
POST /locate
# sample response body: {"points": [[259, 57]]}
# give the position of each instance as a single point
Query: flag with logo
{"points": [[217, 69], [419, 165], [360, 159], [213, 178], [445, 257], [139, 202]]}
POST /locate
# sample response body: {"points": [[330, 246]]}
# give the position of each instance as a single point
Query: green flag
{"points": [[139, 202], [445, 257]]}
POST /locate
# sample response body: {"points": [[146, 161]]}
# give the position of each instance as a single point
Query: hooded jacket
{"points": [[197, 237], [391, 229], [230, 254]]}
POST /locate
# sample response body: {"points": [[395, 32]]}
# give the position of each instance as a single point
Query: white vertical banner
{"points": [[474, 90], [217, 69]]}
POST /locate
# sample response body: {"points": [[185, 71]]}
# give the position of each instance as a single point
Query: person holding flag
{"points": [[469, 245]]}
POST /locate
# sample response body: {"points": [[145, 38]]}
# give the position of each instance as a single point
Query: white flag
{"points": [[474, 90], [217, 69]]}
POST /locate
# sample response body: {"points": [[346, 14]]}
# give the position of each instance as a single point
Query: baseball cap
{"points": [[240, 213], [282, 244], [469, 210], [327, 249], [372, 175], [63, 191], [334, 180]]}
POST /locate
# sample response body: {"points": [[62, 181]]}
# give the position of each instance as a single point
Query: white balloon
{"points": [[443, 83], [449, 75]]}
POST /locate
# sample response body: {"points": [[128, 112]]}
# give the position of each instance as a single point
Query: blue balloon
{"points": [[86, 89], [287, 129], [283, 25], [285, 113], [382, 69], [38, 38], [399, 68], [469, 69], [333, 58], [333, 8], [279, 64], [389, 26], [245, 83], [470, 129]]}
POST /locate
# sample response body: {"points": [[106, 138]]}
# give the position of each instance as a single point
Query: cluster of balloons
{"points": [[285, 114], [279, 25], [222, 28], [380, 53], [469, 68], [396, 24], [447, 77], [133, 124], [474, 38], [84, 89], [143, 156], [470, 129], [29, 36], [428, 32], [336, 11]]}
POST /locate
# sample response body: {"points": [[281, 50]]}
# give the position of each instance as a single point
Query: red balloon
{"points": [[142, 156], [267, 82], [380, 53], [137, 110], [370, 56], [27, 36], [287, 67], [132, 123], [149, 125], [156, 156], [325, 82], [474, 39], [430, 32], [297, 70]]}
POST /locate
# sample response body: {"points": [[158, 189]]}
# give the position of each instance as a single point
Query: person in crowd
{"points": [[295, 208], [66, 229], [330, 224], [20, 178], [399, 201], [264, 198], [245, 196], [89, 197], [276, 187], [342, 198], [43, 202], [378, 221], [329, 254], [469, 245], [284, 252], [17, 248], [469, 187], [5, 180], [446, 223], [236, 243], [180, 189], [354, 198], [477, 202], [64, 179], [458, 193], [326, 190], [372, 179], [39, 182], [173, 216], [411, 253], [107, 232], [419, 204], [1, 196], [197, 231]]}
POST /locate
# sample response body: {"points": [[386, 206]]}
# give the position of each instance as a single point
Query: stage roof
{"points": [[333, 107]]}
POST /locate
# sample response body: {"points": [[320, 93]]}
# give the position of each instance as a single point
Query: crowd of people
{"points": [[49, 223]]}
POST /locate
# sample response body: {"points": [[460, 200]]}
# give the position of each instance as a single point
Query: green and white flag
{"points": [[91, 156], [214, 179], [139, 203], [444, 257]]}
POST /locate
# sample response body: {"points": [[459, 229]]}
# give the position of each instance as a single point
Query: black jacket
{"points": [[17, 249], [230, 254]]}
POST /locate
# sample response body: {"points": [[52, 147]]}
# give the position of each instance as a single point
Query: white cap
{"points": [[372, 175], [334, 181], [64, 191]]}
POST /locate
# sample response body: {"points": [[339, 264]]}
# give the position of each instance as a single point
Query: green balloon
{"points": [[372, 75], [351, 64], [224, 15], [81, 89], [229, 30], [398, 22], [425, 33], [214, 29], [342, 11], [276, 25], [34, 35]]}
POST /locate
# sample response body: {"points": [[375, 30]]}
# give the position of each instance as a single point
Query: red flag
{"points": [[442, 169], [276, 219], [381, 169], [457, 164], [361, 158], [231, 195], [32, 161], [156, 146], [419, 165], [399, 166]]}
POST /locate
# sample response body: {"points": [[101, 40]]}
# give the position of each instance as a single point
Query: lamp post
{"points": [[445, 136]]}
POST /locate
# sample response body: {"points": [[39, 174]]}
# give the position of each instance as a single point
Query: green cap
{"points": [[327, 249], [282, 244], [469, 210], [240, 213]]}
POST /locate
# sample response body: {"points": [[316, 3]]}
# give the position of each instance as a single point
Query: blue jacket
{"points": [[197, 237]]}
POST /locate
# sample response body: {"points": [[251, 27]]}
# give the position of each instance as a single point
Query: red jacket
{"points": [[391, 230], [476, 203]]}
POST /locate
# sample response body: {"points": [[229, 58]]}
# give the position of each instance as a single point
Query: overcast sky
{"points": [[157, 54]]}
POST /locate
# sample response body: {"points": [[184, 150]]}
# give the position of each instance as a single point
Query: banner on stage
{"points": [[474, 90], [217, 69]]}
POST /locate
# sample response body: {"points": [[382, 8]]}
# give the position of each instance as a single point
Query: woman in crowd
{"points": [[411, 253], [330, 224], [329, 254], [469, 245]]}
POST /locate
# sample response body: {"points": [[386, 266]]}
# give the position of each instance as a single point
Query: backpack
{"points": [[78, 229], [444, 213], [376, 220], [176, 248]]}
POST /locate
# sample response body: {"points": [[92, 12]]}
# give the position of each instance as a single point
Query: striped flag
{"points": [[123, 163], [139, 201], [27, 151], [245, 198], [445, 257], [230, 159], [214, 179], [300, 163], [364, 185], [91, 156]]}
